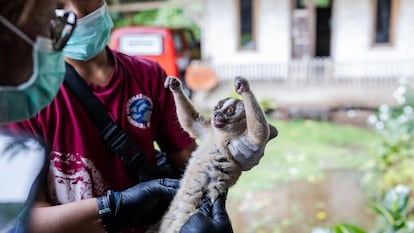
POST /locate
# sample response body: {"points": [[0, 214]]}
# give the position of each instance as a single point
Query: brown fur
{"points": [[211, 169]]}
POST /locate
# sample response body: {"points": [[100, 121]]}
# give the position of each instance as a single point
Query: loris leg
{"points": [[257, 127], [190, 119]]}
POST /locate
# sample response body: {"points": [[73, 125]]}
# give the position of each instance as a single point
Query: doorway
{"points": [[311, 28], [323, 29]]}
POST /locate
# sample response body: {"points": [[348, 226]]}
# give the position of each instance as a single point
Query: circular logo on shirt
{"points": [[139, 109]]}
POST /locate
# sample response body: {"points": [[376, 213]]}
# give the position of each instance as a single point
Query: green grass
{"points": [[304, 149]]}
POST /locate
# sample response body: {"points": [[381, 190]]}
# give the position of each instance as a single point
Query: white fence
{"points": [[317, 71]]}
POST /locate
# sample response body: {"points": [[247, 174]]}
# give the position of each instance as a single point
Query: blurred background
{"points": [[334, 76]]}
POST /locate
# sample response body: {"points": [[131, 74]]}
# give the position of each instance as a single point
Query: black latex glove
{"points": [[139, 206], [210, 218]]}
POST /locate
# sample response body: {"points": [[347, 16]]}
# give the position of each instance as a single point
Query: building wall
{"points": [[352, 32], [220, 32], [351, 39]]}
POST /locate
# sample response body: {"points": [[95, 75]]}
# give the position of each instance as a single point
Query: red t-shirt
{"points": [[81, 165]]}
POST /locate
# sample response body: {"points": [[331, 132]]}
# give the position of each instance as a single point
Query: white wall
{"points": [[352, 32], [351, 39], [220, 32]]}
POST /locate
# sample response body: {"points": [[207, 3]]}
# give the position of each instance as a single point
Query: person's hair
{"points": [[18, 13], [11, 10]]}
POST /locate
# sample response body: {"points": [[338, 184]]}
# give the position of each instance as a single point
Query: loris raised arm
{"points": [[190, 119], [258, 130]]}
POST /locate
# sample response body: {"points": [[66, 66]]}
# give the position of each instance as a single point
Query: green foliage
{"points": [[304, 149], [340, 228], [165, 17], [393, 210], [394, 159], [391, 166], [348, 228], [267, 105], [145, 17]]}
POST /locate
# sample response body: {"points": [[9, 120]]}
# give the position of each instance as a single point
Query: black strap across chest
{"points": [[131, 155]]}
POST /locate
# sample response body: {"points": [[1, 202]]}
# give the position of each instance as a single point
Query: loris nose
{"points": [[219, 115]]}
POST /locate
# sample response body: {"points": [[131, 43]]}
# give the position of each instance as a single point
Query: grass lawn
{"points": [[304, 149], [293, 188]]}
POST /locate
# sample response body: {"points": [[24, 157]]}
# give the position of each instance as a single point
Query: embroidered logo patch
{"points": [[139, 109]]}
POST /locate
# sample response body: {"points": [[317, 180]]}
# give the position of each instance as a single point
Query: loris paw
{"points": [[173, 83], [241, 85]]}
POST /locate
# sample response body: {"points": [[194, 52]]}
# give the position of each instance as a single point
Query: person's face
{"points": [[32, 17], [82, 7]]}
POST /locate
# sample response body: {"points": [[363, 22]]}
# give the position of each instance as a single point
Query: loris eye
{"points": [[218, 106], [230, 110]]}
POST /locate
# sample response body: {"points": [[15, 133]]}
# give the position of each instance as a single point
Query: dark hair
{"points": [[10, 10], [15, 53]]}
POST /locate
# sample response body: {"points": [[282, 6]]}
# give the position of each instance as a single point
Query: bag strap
{"points": [[131, 155]]}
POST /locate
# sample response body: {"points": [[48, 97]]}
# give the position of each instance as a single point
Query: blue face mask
{"points": [[25, 100], [90, 36]]}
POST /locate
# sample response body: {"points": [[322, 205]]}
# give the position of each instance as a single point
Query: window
{"points": [[383, 22], [178, 42], [303, 4], [300, 4], [246, 15], [141, 44]]}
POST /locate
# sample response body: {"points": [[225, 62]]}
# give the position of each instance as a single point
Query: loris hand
{"points": [[241, 85], [173, 83], [210, 218]]}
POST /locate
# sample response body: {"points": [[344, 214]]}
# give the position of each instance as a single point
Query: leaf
{"points": [[396, 199], [383, 212], [348, 228]]}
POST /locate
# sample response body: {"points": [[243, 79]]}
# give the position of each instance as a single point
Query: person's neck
{"points": [[97, 70]]}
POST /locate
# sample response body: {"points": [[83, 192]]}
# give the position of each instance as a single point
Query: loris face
{"points": [[229, 115]]}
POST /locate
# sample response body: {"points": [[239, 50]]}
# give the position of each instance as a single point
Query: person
{"points": [[32, 70], [88, 188]]}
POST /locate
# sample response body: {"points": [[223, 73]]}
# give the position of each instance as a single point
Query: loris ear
{"points": [[273, 132]]}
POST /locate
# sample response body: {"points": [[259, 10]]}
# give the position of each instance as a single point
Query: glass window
{"points": [[178, 42], [141, 44], [383, 21], [246, 25]]}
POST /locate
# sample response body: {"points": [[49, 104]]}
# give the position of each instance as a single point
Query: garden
{"points": [[320, 176], [323, 177]]}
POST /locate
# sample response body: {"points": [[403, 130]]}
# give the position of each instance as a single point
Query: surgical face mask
{"points": [[90, 36], [25, 100]]}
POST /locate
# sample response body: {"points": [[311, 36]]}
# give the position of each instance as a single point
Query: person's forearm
{"points": [[80, 216]]}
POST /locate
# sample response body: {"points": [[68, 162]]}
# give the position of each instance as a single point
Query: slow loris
{"points": [[211, 169]]}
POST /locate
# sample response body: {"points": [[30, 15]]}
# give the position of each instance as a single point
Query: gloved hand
{"points": [[139, 206], [210, 218]]}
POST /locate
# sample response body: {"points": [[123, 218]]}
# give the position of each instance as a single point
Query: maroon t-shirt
{"points": [[81, 165]]}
